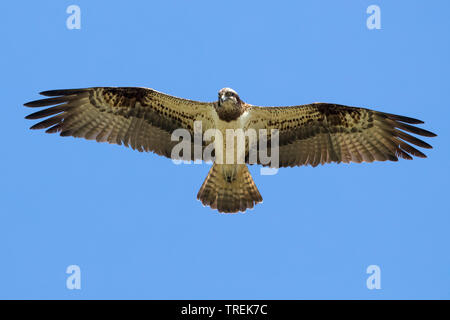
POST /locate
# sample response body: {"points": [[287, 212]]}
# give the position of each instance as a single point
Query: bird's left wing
{"points": [[322, 133], [138, 117]]}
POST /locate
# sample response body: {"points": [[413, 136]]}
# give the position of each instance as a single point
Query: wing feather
{"points": [[141, 118], [324, 133]]}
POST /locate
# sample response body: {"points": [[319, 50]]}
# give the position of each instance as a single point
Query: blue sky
{"points": [[131, 220]]}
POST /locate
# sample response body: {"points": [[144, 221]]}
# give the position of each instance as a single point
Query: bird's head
{"points": [[230, 106], [228, 97]]}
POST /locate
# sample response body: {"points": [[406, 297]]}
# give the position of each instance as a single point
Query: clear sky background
{"points": [[131, 220]]}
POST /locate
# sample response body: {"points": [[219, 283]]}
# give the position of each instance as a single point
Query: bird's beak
{"points": [[223, 98]]}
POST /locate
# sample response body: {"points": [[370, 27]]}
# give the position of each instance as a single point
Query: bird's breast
{"points": [[229, 131]]}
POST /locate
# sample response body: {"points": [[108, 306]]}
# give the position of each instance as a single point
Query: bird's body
{"points": [[311, 134], [229, 185]]}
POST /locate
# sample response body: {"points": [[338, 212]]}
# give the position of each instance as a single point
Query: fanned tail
{"points": [[229, 194]]}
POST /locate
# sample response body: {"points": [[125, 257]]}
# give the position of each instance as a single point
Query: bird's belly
{"points": [[228, 148]]}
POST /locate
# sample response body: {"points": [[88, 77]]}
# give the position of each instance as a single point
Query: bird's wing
{"points": [[323, 133], [138, 117]]}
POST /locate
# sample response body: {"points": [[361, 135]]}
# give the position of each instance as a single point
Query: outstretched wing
{"points": [[138, 117], [323, 133]]}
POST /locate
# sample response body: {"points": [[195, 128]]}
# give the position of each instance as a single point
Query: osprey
{"points": [[310, 134]]}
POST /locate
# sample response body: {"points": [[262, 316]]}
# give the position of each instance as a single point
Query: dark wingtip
{"points": [[60, 92], [33, 104], [402, 123], [47, 102], [35, 127], [403, 118]]}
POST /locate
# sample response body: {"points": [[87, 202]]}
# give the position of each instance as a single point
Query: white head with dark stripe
{"points": [[229, 106]]}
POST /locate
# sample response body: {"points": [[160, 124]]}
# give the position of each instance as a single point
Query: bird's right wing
{"points": [[138, 117]]}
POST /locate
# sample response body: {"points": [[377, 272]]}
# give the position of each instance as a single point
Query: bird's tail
{"points": [[229, 191]]}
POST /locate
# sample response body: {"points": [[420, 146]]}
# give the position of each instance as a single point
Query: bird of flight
{"points": [[310, 134]]}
